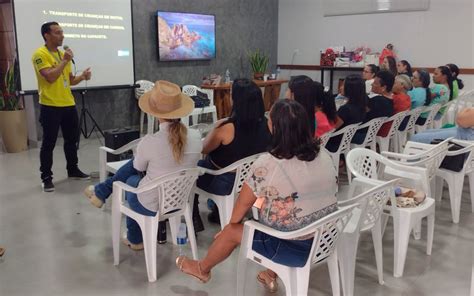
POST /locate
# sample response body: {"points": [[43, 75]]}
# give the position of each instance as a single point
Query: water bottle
{"points": [[227, 76], [182, 239], [278, 73]]}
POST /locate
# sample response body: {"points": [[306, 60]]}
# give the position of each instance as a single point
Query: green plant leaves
{"points": [[258, 61]]}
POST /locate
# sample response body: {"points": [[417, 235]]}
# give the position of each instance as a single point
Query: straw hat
{"points": [[165, 100]]}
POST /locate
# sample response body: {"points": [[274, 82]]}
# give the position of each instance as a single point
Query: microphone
{"points": [[66, 47]]}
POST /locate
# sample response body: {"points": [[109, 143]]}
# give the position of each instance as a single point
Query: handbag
{"points": [[200, 100], [452, 163]]}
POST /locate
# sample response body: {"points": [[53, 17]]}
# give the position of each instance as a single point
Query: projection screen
{"points": [[99, 33]]}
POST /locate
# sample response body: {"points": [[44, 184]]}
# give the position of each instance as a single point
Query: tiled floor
{"points": [[58, 244]]}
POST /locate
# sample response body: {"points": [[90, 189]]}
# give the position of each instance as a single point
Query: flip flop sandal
{"points": [[202, 278], [271, 287]]}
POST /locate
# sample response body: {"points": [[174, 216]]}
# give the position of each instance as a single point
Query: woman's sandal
{"points": [[2, 251], [201, 277], [272, 285]]}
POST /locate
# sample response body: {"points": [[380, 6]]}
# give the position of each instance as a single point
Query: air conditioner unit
{"points": [[347, 7]]}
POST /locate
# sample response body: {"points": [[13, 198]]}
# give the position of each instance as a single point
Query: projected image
{"points": [[186, 36]]}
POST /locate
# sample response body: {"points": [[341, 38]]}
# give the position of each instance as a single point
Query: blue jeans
{"points": [[129, 175], [429, 135]]}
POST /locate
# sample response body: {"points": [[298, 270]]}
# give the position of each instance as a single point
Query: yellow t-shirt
{"points": [[58, 93]]}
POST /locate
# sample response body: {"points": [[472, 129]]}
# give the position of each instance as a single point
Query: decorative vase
{"points": [[14, 131], [258, 76]]}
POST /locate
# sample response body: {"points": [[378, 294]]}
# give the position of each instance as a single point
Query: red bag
{"points": [[328, 58]]}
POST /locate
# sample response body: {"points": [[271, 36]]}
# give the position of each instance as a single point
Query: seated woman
{"points": [[382, 104], [420, 95], [301, 89], [401, 100], [464, 130], [353, 111], [404, 67], [390, 64], [172, 148], [368, 74], [295, 183], [243, 134], [325, 110], [457, 82]]}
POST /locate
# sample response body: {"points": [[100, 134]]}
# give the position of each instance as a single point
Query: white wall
{"points": [[443, 34]]}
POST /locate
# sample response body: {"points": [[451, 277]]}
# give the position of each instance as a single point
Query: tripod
{"points": [[83, 120]]}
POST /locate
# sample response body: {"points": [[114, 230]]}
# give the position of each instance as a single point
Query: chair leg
{"points": [[384, 219], [116, 223], [142, 119], [302, 280], [455, 186], [149, 232], [402, 227], [471, 189], [377, 240], [191, 234], [241, 271], [214, 116], [347, 252], [429, 241], [333, 274], [225, 210], [195, 119], [417, 230], [439, 189]]}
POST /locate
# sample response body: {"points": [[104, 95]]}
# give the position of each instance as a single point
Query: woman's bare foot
{"points": [[269, 280], [193, 268]]}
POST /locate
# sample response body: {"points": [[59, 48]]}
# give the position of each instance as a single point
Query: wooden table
{"points": [[223, 101]]}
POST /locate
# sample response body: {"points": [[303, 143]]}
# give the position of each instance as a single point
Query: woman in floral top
{"points": [[293, 185]]}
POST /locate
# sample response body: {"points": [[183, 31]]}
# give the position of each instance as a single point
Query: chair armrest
{"points": [[122, 149], [400, 156]]}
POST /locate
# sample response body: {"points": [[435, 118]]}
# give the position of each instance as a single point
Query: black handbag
{"points": [[452, 163], [201, 100]]}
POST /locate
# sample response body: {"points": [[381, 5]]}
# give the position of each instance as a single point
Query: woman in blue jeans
{"points": [[464, 130], [294, 184], [171, 149], [242, 134]]}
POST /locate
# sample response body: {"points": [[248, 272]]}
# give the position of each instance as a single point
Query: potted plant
{"points": [[13, 128], [259, 63]]}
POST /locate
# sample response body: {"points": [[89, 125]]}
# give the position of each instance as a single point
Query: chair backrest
{"points": [[414, 115], [396, 120], [145, 86], [430, 159], [242, 169], [373, 127], [327, 231], [371, 203], [468, 148], [325, 137], [347, 134], [433, 111], [190, 90], [173, 190]]}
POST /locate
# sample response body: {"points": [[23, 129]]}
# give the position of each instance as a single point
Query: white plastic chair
{"points": [[225, 203], [396, 119], [373, 127], [325, 137], [402, 136], [438, 123], [173, 192], [455, 180], [365, 163], [145, 86], [113, 166], [191, 90], [326, 232], [347, 133], [433, 110], [366, 217]]}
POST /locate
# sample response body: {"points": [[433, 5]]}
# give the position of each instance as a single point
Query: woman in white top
{"points": [[368, 74], [171, 149], [293, 185]]}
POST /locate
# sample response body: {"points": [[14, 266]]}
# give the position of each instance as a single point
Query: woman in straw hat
{"points": [[172, 148]]}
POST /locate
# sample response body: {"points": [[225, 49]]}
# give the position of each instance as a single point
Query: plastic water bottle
{"points": [[278, 73], [182, 239], [227, 76]]}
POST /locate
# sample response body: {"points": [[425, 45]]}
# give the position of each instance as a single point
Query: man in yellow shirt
{"points": [[53, 72]]}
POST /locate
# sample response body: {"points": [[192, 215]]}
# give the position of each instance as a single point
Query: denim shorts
{"points": [[292, 253]]}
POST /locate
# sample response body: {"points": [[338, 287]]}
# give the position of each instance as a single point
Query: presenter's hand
{"points": [[86, 74], [68, 55]]}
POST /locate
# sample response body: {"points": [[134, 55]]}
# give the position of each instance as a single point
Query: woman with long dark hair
{"points": [[295, 183], [442, 91], [242, 134], [390, 64], [457, 82], [404, 67], [301, 89], [325, 111], [420, 95]]}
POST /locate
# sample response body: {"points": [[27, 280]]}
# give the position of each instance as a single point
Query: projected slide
{"points": [[186, 36], [98, 32]]}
